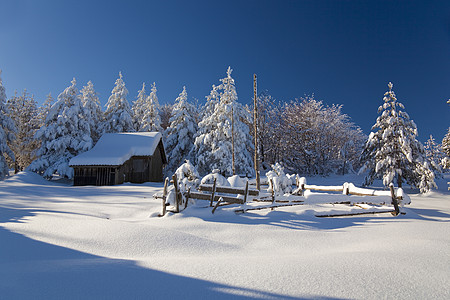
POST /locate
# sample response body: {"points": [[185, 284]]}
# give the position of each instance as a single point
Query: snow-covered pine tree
{"points": [[118, 114], [92, 110], [445, 162], [434, 155], [24, 112], [138, 107], [214, 144], [393, 152], [212, 100], [165, 112], [7, 130], [45, 108], [151, 121], [65, 134], [181, 132]]}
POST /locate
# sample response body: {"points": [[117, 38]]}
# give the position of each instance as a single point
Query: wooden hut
{"points": [[121, 157]]}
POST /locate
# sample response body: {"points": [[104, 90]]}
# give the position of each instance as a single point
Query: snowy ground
{"points": [[64, 242]]}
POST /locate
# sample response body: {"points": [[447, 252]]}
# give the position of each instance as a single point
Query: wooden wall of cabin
{"points": [[156, 166], [140, 169], [95, 175]]}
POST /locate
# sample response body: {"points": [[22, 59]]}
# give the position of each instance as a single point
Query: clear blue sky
{"points": [[345, 52]]}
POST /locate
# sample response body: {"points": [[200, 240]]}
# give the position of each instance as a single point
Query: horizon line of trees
{"points": [[305, 135]]}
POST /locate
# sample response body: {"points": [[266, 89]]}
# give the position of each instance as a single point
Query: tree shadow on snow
{"points": [[31, 269]]}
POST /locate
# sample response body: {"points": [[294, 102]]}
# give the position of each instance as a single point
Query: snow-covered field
{"points": [[63, 242]]}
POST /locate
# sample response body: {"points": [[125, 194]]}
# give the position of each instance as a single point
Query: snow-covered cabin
{"points": [[121, 157]]}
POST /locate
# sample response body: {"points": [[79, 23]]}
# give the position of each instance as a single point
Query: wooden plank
{"points": [[355, 214], [201, 196], [324, 188], [227, 190], [243, 210], [217, 204], [360, 194]]}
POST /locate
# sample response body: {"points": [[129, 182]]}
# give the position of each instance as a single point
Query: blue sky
{"points": [[345, 52]]}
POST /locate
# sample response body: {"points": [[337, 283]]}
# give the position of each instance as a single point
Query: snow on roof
{"points": [[113, 149]]}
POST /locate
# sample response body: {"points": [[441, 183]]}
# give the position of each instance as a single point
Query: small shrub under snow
{"points": [[236, 181], [279, 182], [220, 180]]}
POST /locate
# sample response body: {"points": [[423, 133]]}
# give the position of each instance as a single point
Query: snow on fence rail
{"points": [[303, 194]]}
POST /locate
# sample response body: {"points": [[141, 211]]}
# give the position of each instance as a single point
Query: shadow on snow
{"points": [[31, 269], [306, 220]]}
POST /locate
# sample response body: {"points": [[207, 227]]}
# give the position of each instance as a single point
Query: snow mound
{"points": [[236, 181], [27, 177], [220, 180]]}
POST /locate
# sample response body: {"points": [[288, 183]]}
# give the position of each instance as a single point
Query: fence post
{"points": [[394, 200], [166, 183], [273, 192], [213, 193], [187, 198], [246, 192], [175, 185], [346, 188]]}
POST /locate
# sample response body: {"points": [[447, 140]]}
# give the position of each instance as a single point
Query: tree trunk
{"points": [[399, 181]]}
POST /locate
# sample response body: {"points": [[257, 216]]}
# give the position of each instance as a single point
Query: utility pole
{"points": [[232, 139], [255, 127]]}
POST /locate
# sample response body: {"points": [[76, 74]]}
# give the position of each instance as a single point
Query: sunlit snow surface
{"points": [[63, 242]]}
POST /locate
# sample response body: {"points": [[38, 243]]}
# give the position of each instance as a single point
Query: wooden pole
{"points": [[166, 183], [213, 193], [246, 192], [187, 198], [273, 191], [232, 140], [175, 185], [255, 128]]}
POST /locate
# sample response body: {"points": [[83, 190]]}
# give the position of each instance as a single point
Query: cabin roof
{"points": [[113, 149]]}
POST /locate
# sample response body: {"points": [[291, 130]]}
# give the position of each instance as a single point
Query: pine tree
{"points": [[118, 114], [165, 112], [181, 132], [445, 162], [393, 152], [92, 110], [7, 130], [138, 107], [223, 131], [212, 100], [151, 121], [65, 134], [44, 109], [24, 112], [434, 155]]}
